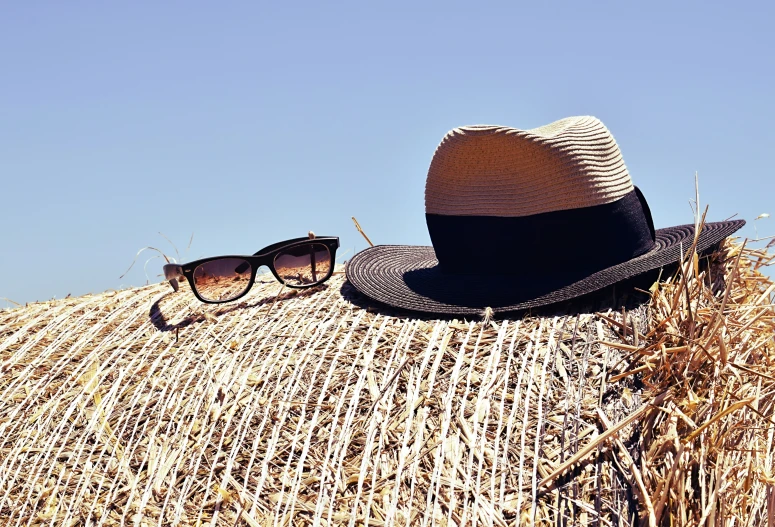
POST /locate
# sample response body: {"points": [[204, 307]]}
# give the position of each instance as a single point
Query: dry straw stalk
{"points": [[143, 407]]}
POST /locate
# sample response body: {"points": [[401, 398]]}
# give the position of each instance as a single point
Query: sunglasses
{"points": [[298, 263]]}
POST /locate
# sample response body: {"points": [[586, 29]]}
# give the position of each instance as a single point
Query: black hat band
{"points": [[560, 247]]}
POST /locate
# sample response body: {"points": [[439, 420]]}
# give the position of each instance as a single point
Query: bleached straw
{"points": [[500, 171], [145, 407]]}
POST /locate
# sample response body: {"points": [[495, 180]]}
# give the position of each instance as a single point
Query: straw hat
{"points": [[525, 218]]}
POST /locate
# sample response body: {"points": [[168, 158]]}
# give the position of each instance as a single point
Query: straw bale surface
{"points": [[144, 407]]}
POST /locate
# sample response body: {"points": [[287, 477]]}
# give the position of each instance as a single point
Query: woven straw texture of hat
{"points": [[381, 271], [143, 407], [501, 171]]}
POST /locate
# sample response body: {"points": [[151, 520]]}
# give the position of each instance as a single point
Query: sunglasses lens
{"points": [[302, 265], [223, 279]]}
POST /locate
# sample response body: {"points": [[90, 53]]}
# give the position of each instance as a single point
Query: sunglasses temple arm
{"points": [[172, 273], [313, 263], [311, 236]]}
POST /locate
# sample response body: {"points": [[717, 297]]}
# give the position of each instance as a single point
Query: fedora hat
{"points": [[525, 218]]}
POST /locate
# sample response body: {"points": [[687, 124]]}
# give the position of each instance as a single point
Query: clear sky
{"points": [[246, 123]]}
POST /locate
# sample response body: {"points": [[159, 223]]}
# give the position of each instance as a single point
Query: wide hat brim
{"points": [[409, 277]]}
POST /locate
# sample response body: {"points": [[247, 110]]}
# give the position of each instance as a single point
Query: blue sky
{"points": [[245, 123]]}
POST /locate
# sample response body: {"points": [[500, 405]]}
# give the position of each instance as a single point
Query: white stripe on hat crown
{"points": [[488, 170]]}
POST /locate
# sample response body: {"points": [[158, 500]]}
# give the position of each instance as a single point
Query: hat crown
{"points": [[486, 170]]}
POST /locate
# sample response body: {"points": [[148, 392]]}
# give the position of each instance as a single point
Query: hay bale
{"points": [[143, 407]]}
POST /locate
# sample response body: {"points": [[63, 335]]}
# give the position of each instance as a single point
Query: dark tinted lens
{"points": [[223, 279], [306, 264]]}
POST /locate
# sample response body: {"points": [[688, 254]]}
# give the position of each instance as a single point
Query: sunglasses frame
{"points": [[266, 256]]}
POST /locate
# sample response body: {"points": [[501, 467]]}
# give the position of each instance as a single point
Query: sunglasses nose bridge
{"points": [[263, 270]]}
